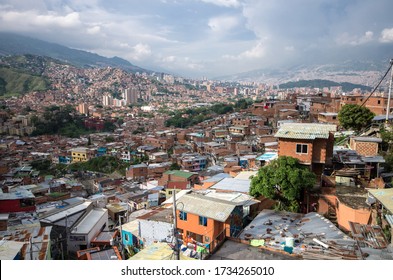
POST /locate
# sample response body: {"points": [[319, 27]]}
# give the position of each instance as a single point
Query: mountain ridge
{"points": [[14, 44], [366, 73]]}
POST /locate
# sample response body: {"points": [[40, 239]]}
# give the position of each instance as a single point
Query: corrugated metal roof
{"points": [[245, 175], [9, 249], [88, 222], [217, 177], [109, 254], [36, 242], [178, 196], [212, 208], [58, 215], [368, 139], [305, 130], [158, 251], [132, 227], [385, 196], [238, 198], [20, 194], [234, 185]]}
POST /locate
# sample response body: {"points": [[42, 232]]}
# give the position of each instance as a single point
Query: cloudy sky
{"points": [[210, 38]]}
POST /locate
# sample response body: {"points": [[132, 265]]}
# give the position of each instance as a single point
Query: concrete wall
{"points": [[74, 245], [346, 214], [151, 231]]}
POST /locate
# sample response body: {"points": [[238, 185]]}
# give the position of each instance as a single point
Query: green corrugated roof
{"points": [[179, 173]]}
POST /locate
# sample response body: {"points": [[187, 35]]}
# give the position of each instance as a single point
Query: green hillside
{"points": [[13, 44], [14, 82]]}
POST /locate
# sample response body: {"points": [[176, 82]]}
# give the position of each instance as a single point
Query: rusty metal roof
{"points": [[309, 131], [36, 242]]}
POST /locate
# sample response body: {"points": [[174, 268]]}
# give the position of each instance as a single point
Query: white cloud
{"points": [[222, 23], [170, 58], [258, 51], [224, 3], [386, 35], [51, 19], [353, 40], [141, 51], [94, 30], [289, 48]]}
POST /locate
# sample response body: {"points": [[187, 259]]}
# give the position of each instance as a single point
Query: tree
{"points": [[283, 180], [109, 126], [355, 116], [174, 166]]}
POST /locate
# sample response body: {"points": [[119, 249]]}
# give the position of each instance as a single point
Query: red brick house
{"points": [[365, 146], [311, 143], [137, 172], [178, 176], [376, 104], [328, 118]]}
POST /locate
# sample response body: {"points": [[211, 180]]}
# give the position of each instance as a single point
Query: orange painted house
{"points": [[206, 221]]}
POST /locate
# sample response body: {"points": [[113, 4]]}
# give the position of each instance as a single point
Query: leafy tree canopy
{"points": [[283, 180], [104, 164], [355, 116]]}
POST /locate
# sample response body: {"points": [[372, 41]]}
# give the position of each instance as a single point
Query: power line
{"points": [[384, 76]]}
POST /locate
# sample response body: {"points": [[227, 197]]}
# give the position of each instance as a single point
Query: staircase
{"points": [[331, 213]]}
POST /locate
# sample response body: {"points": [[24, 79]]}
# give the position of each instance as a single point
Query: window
{"points": [[26, 202], [183, 216], [379, 101], [195, 236], [126, 238], [169, 192], [301, 148], [203, 221]]}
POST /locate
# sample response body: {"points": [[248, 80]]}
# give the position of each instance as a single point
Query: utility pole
{"points": [[390, 91], [31, 248], [177, 256], [121, 239]]}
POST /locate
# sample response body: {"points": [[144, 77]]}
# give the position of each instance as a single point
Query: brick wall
{"points": [[319, 150], [137, 172], [287, 147], [364, 148]]}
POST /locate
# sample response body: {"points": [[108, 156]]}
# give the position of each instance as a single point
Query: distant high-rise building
{"points": [[83, 109], [107, 100], [131, 95]]}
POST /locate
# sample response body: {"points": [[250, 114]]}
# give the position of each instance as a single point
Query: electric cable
{"points": [[384, 76]]}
